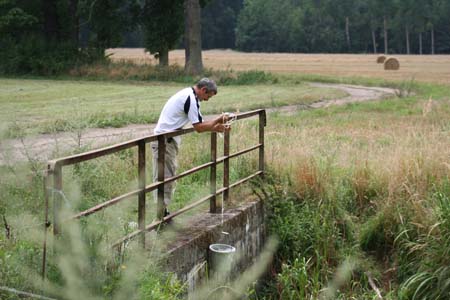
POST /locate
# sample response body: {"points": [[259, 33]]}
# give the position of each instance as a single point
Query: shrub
{"points": [[245, 77], [32, 54]]}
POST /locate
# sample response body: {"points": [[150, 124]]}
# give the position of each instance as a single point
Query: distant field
{"points": [[425, 68]]}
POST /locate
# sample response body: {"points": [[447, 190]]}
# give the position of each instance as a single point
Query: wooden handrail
{"points": [[54, 169], [77, 158]]}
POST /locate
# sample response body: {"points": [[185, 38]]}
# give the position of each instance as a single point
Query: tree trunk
{"points": [[420, 44], [75, 24], [347, 33], [51, 26], [432, 39], [374, 42], [385, 35], [407, 40], [164, 58], [193, 37]]}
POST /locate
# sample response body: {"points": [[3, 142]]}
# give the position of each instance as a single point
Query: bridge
{"points": [[243, 226]]}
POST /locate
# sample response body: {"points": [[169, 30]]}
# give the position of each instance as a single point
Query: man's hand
{"points": [[225, 117], [220, 124], [221, 127]]}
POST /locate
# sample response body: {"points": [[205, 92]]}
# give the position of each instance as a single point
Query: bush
{"points": [[229, 77], [33, 55], [126, 70]]}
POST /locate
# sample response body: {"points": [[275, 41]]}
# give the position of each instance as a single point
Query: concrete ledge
{"points": [[188, 251]]}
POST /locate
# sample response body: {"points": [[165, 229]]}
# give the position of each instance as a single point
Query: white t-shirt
{"points": [[180, 109]]}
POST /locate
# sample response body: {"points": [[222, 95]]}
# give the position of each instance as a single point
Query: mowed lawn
{"points": [[37, 106], [423, 68]]}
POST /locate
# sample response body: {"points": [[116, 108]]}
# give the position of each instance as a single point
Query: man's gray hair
{"points": [[209, 84]]}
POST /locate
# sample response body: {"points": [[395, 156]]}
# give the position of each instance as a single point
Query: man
{"points": [[180, 109]]}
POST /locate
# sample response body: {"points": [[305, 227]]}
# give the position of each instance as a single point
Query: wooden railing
{"points": [[55, 168]]}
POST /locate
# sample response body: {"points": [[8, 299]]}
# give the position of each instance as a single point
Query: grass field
{"points": [[424, 68], [55, 105]]}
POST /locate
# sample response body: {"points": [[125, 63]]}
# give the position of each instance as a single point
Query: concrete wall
{"points": [[188, 253]]}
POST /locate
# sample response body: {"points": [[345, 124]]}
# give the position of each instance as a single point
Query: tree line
{"points": [[50, 36], [47, 36], [345, 26]]}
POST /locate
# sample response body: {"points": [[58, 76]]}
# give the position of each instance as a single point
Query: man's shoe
{"points": [[166, 213]]}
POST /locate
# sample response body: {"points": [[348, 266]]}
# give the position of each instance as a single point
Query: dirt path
{"points": [[46, 146]]}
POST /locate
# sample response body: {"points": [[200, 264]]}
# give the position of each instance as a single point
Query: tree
{"points": [[253, 31], [436, 7], [162, 23], [14, 21], [74, 20], [404, 18], [419, 15], [343, 14], [322, 26], [383, 10], [52, 27], [107, 21], [193, 37], [443, 29], [268, 26], [371, 14], [42, 36], [219, 19]]}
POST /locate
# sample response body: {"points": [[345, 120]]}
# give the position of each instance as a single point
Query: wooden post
{"points": [[57, 199], [46, 224], [262, 124], [213, 174], [141, 196], [226, 166]]}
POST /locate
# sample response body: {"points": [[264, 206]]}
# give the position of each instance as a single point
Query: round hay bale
{"points": [[391, 64], [381, 59]]}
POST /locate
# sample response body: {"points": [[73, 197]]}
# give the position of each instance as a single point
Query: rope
{"points": [[231, 118]]}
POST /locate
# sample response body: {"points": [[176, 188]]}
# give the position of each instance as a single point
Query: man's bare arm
{"points": [[210, 126], [216, 125]]}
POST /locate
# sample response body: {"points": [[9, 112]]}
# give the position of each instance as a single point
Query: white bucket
{"points": [[221, 260]]}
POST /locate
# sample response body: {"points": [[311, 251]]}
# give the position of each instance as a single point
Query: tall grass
{"points": [[368, 183]]}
